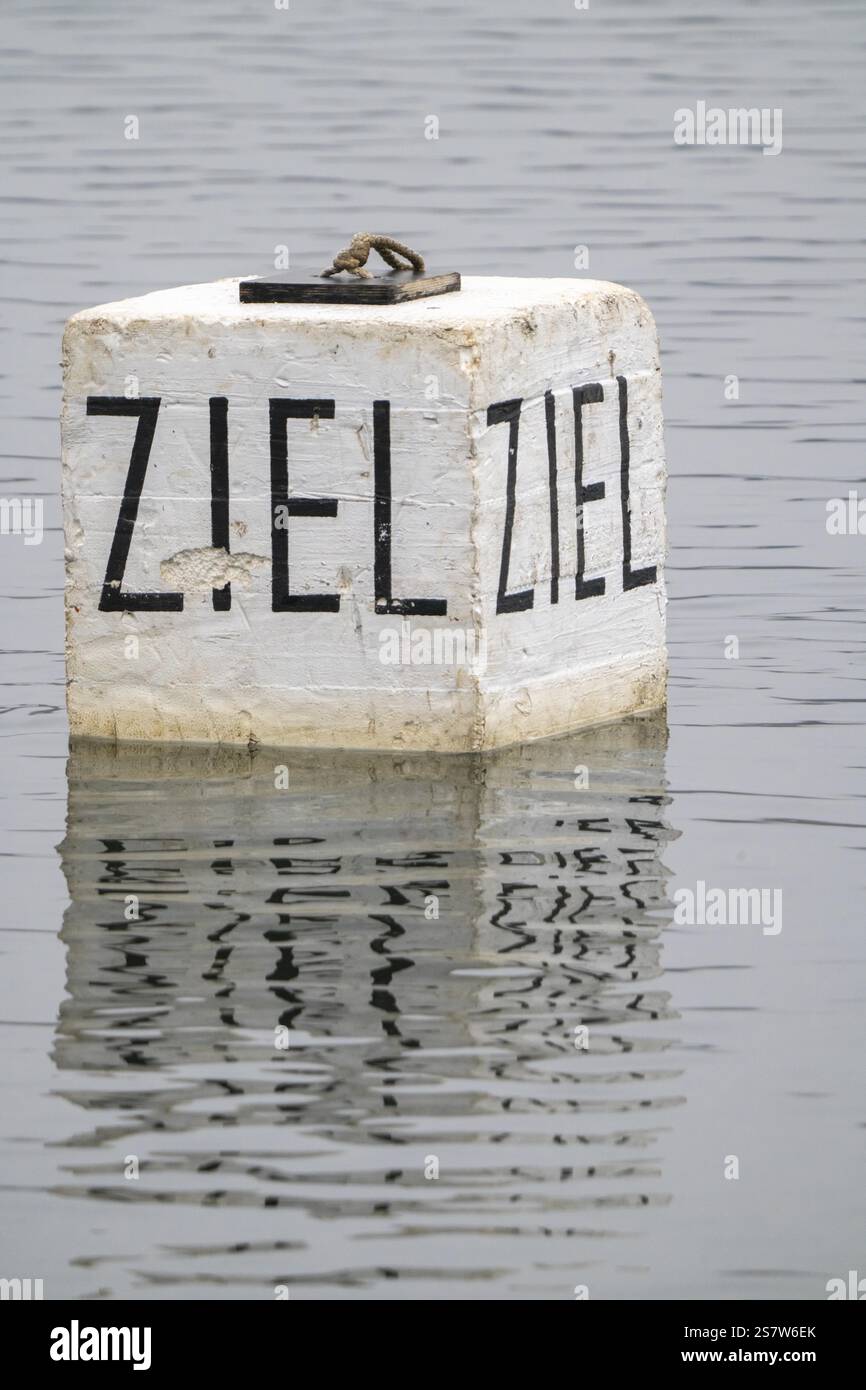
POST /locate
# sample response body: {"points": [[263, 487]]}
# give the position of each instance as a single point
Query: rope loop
{"points": [[354, 257]]}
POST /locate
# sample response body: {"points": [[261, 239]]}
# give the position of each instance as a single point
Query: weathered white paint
{"points": [[252, 674]]}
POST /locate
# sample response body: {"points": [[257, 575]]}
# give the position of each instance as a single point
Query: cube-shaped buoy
{"points": [[434, 524]]}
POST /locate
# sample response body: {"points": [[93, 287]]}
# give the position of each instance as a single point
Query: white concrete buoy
{"points": [[436, 524]]}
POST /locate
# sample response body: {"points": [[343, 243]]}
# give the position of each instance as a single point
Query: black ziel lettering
{"points": [[553, 485], [500, 413], [219, 490], [146, 410], [591, 394], [384, 598], [631, 579], [282, 601], [113, 598]]}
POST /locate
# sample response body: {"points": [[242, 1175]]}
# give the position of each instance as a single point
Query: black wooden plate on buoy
{"points": [[394, 287]]}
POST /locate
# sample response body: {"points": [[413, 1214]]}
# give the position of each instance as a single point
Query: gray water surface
{"points": [[413, 1038]]}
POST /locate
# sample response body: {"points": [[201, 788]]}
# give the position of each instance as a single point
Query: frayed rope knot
{"points": [[354, 257]]}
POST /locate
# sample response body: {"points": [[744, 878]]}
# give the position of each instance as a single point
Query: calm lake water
{"points": [[414, 1039]]}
